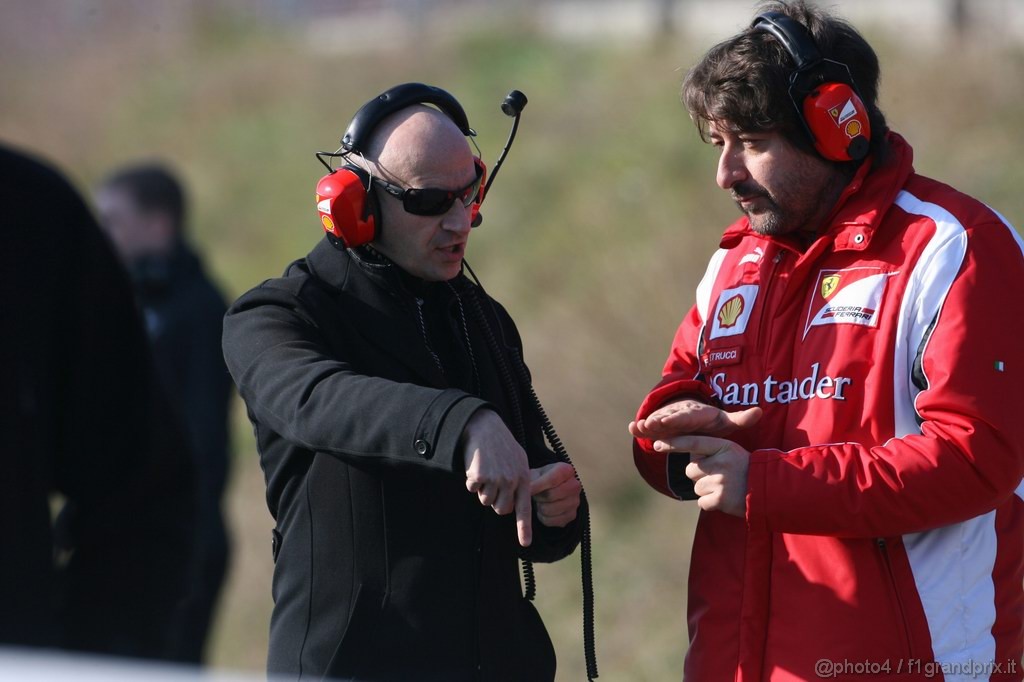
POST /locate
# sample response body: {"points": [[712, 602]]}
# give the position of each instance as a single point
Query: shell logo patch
{"points": [[328, 223], [853, 128], [729, 311], [851, 296], [733, 311]]}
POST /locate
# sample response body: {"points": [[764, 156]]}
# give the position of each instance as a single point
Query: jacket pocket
{"points": [[355, 650], [897, 596]]}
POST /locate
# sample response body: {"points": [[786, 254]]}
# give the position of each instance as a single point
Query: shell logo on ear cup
{"points": [[343, 204], [822, 90], [838, 120]]}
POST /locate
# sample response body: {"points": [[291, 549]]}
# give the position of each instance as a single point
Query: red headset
{"points": [[823, 92], [348, 209]]}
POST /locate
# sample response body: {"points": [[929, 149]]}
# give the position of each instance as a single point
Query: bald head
{"points": [[421, 148], [415, 138]]}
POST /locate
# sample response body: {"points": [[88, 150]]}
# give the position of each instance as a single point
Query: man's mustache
{"points": [[748, 190]]}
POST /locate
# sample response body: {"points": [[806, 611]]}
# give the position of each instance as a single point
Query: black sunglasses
{"points": [[431, 201]]}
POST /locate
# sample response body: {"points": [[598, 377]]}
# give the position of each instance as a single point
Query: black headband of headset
{"points": [[811, 68], [397, 98], [793, 35]]}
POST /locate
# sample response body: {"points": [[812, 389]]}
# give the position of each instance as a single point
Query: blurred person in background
{"points": [[143, 210], [82, 422], [843, 399], [405, 467]]}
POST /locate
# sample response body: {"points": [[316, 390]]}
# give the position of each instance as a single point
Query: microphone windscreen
{"points": [[514, 103]]}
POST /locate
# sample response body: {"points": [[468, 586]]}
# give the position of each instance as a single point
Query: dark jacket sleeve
{"points": [[310, 395], [549, 543], [206, 392]]}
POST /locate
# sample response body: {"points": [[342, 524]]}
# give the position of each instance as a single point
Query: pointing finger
{"points": [[524, 516]]}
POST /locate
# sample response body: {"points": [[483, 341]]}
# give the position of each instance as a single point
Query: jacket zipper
{"points": [[477, 386], [479, 539], [477, 663], [883, 547], [766, 308], [423, 333]]}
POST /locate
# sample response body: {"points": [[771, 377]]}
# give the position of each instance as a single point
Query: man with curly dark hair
{"points": [[842, 401]]}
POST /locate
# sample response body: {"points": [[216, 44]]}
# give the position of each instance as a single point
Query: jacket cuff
{"points": [[551, 543], [664, 471], [440, 432]]}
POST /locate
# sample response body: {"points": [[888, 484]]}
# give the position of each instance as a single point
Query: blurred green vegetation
{"points": [[594, 239]]}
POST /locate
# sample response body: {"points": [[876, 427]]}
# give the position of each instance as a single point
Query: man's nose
{"points": [[731, 169], [457, 218]]}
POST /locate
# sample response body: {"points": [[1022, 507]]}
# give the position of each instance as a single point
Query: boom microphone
{"points": [[513, 105]]}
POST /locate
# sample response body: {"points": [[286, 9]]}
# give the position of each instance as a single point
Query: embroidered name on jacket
{"points": [[851, 296], [771, 390]]}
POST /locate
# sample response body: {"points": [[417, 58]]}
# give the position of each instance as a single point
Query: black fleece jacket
{"points": [[359, 381]]}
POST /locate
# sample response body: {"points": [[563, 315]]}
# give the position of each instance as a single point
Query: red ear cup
{"points": [[474, 216], [838, 120], [346, 209]]}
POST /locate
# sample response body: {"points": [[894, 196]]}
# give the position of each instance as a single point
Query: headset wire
{"points": [[586, 559]]}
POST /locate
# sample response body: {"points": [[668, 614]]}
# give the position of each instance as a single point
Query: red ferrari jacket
{"points": [[885, 521]]}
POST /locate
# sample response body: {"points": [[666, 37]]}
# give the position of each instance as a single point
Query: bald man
{"points": [[402, 498]]}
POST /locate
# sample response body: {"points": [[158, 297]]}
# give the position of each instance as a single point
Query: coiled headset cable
{"points": [[510, 382]]}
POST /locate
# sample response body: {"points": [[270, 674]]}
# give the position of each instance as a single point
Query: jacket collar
{"points": [[334, 268], [861, 206], [329, 265], [380, 303]]}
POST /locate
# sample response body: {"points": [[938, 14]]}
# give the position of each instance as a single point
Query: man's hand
{"points": [[718, 469], [497, 469], [556, 490], [688, 416]]}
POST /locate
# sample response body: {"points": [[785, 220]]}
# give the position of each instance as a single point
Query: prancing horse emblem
{"points": [[828, 285]]}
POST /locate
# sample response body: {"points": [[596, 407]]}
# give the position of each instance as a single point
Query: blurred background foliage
{"points": [[594, 239]]}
